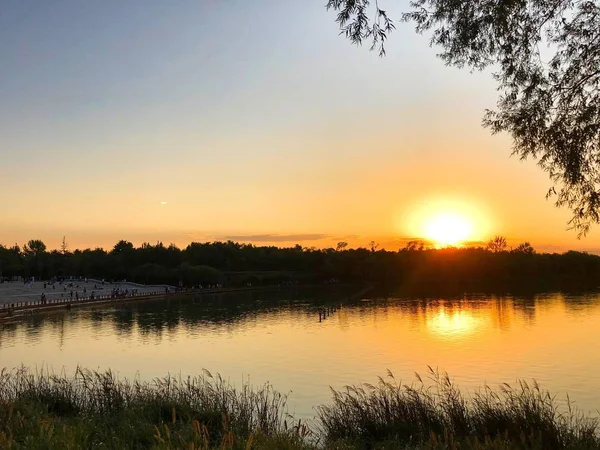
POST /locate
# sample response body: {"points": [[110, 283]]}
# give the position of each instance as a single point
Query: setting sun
{"points": [[444, 220], [448, 229]]}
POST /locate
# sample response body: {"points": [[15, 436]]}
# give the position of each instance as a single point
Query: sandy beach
{"points": [[17, 291]]}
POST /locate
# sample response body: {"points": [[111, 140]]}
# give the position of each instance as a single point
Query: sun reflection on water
{"points": [[453, 322], [276, 336]]}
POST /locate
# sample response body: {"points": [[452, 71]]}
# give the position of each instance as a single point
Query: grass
{"points": [[437, 415], [96, 410]]}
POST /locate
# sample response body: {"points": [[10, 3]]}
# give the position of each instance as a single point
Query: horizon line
{"points": [[394, 244]]}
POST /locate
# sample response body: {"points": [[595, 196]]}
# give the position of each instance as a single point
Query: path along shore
{"points": [[9, 311], [20, 291], [23, 305]]}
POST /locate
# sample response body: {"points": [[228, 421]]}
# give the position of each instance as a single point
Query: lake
{"points": [[276, 336]]}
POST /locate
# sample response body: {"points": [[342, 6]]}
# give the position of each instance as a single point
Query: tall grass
{"points": [[437, 415], [96, 410]]}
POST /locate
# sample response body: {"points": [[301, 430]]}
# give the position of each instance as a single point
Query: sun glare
{"points": [[446, 221], [448, 229], [452, 322]]}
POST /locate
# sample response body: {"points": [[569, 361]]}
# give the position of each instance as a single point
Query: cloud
{"points": [[347, 237], [402, 240], [277, 237]]}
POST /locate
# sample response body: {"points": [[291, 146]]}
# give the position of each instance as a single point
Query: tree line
{"points": [[493, 267]]}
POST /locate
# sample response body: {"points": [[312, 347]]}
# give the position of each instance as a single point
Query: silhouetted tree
{"points": [[34, 247], [341, 246], [549, 100], [413, 268], [64, 247], [524, 248], [373, 246], [11, 261], [497, 244], [414, 245], [122, 247], [199, 275], [35, 258]]}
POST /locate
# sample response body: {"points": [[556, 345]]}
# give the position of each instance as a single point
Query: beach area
{"points": [[20, 291]]}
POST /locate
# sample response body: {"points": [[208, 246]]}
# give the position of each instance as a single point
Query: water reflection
{"points": [[452, 322], [276, 336], [449, 318]]}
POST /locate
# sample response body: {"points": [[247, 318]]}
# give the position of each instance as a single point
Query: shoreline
{"points": [[18, 310]]}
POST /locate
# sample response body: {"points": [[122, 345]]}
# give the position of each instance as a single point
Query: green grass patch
{"points": [[96, 410]]}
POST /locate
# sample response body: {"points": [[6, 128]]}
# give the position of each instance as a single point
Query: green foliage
{"points": [[549, 98], [437, 415], [97, 410]]}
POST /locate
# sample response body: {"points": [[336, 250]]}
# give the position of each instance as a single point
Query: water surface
{"points": [[276, 336]]}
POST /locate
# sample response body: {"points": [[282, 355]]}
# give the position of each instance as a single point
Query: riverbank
{"points": [[17, 310], [31, 291], [96, 409]]}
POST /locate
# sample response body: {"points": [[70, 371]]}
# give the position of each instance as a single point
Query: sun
{"points": [[448, 229], [445, 220]]}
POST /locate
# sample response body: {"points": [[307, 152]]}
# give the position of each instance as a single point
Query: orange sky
{"points": [[153, 129]]}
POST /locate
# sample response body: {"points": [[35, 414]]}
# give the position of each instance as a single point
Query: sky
{"points": [[254, 121]]}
